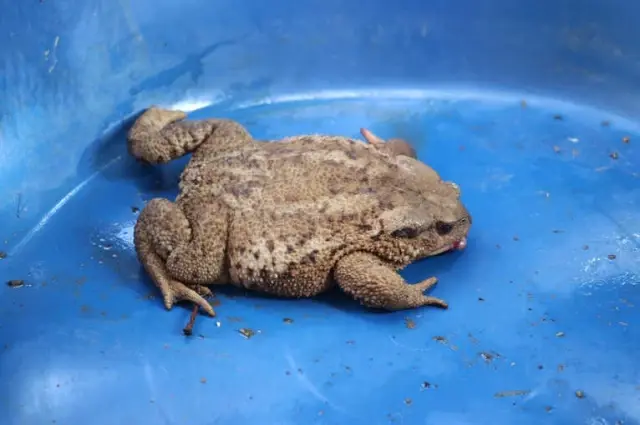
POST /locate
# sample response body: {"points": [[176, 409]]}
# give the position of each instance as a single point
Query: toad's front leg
{"points": [[375, 284], [163, 240]]}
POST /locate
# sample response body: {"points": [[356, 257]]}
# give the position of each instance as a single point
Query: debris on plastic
{"points": [[3, 255], [580, 394], [560, 334], [408, 401], [605, 123], [135, 210], [585, 247], [409, 323], [16, 283], [247, 333], [614, 155], [488, 356], [611, 256], [557, 149], [558, 117], [511, 393], [287, 320], [573, 139], [626, 139], [188, 330]]}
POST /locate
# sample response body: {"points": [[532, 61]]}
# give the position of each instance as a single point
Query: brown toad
{"points": [[291, 217]]}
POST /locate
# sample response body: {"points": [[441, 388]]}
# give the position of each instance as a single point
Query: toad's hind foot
{"points": [[172, 290], [178, 291], [377, 285]]}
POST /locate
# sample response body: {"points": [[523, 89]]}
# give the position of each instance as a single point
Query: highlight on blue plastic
{"points": [[531, 107]]}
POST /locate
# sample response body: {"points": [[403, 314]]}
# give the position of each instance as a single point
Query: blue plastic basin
{"points": [[531, 107]]}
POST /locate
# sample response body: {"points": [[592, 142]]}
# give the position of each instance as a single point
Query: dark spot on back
{"points": [[264, 274], [256, 255], [271, 246], [290, 249], [313, 256]]}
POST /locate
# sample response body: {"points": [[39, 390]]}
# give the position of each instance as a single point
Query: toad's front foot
{"points": [[426, 285], [376, 284]]}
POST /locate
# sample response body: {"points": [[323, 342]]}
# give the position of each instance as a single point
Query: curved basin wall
{"points": [[72, 70]]}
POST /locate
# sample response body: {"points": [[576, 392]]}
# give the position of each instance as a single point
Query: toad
{"points": [[292, 217]]}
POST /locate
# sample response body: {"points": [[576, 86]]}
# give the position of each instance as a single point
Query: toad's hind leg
{"points": [[161, 228], [375, 284], [161, 135]]}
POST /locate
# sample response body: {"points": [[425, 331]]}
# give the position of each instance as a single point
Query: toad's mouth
{"points": [[455, 246]]}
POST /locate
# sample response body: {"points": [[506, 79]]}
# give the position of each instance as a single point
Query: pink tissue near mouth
{"points": [[461, 244]]}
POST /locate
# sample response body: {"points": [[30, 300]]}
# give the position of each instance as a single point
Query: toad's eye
{"points": [[443, 228], [405, 232]]}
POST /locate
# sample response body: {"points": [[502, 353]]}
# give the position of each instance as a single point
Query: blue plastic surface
{"points": [[526, 105]]}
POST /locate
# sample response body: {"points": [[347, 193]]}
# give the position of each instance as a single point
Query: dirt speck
{"points": [[511, 393], [85, 308], [3, 255], [605, 123], [560, 334], [523, 103], [614, 155], [425, 385], [585, 247], [548, 409], [558, 117], [580, 394], [247, 333], [287, 320], [489, 356], [135, 210], [16, 283], [516, 238], [498, 246], [557, 149], [626, 139], [203, 380], [558, 231], [560, 367], [409, 323], [440, 339], [611, 256], [480, 299], [408, 401]]}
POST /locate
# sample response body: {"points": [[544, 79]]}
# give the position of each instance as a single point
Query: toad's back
{"points": [[298, 169]]}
